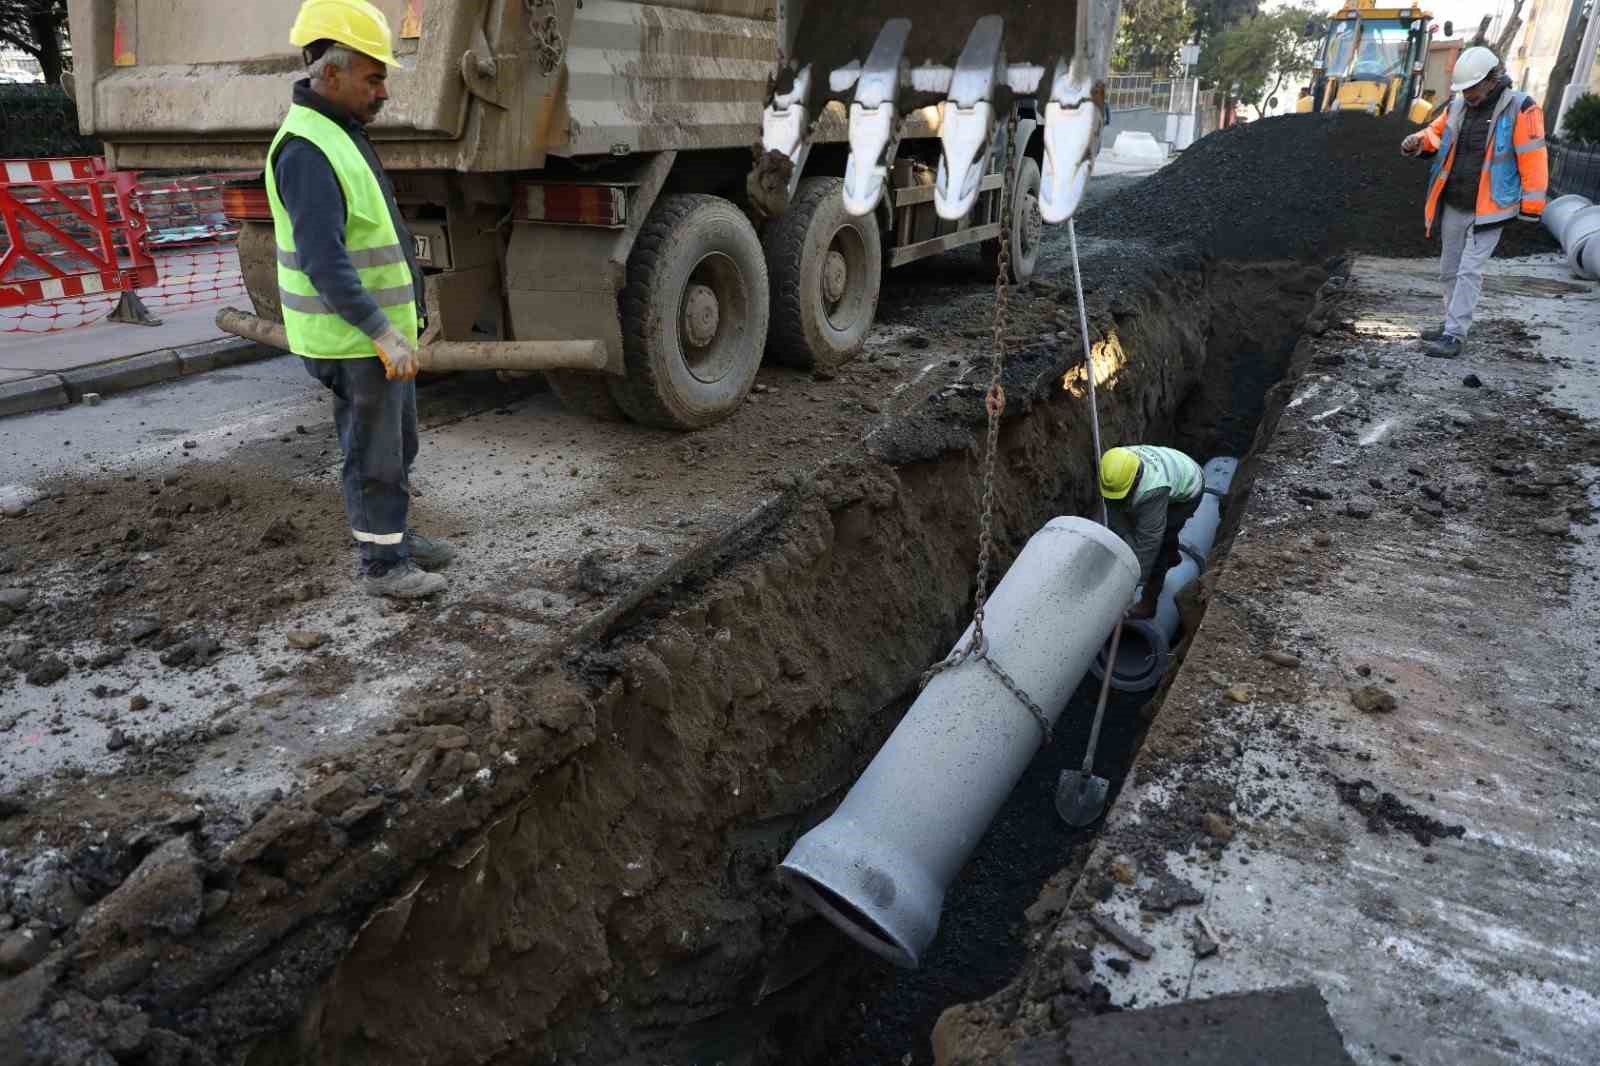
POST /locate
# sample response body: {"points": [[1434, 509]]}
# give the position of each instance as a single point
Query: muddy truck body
{"points": [[640, 200]]}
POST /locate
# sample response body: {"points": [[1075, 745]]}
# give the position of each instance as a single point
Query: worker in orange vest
{"points": [[1490, 166]]}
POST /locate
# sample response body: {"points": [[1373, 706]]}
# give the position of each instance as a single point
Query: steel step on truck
{"points": [[642, 199]]}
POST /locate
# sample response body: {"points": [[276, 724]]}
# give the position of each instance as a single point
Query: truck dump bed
{"points": [[492, 85]]}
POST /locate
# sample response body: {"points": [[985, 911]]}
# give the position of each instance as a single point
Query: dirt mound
{"points": [[1295, 186]]}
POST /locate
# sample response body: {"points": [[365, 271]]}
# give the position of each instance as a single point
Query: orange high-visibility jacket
{"points": [[1516, 168]]}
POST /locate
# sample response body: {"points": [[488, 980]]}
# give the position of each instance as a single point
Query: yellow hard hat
{"points": [[1118, 468], [355, 24]]}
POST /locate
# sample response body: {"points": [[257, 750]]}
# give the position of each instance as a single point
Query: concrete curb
{"points": [[132, 372], [30, 394]]}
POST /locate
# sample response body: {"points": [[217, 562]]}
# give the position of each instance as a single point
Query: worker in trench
{"points": [[1150, 492], [349, 284], [1490, 167]]}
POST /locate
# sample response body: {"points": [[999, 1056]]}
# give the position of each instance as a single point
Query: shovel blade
{"points": [[1080, 797]]}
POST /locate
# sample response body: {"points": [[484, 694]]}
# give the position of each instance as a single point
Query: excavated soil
{"points": [[1453, 463], [563, 852], [1293, 187]]}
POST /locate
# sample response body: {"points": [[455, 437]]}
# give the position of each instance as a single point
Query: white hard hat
{"points": [[1472, 66]]}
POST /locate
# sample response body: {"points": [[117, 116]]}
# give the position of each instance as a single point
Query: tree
{"points": [[1260, 53], [38, 27], [1150, 34], [1212, 17]]}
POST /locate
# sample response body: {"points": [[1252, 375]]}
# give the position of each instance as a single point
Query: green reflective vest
{"points": [[1168, 468], [315, 330]]}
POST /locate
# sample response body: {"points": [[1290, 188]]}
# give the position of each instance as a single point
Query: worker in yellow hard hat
{"points": [[348, 283], [1150, 492]]}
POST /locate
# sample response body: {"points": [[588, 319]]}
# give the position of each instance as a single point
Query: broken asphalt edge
{"points": [[128, 373]]}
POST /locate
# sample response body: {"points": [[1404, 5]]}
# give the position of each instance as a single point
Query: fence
{"points": [[74, 236], [1124, 92], [1574, 168]]}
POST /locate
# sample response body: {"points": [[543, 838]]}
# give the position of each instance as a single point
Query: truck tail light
{"points": [[246, 203], [575, 205]]}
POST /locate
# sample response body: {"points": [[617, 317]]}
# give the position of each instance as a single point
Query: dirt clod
{"points": [[1370, 699], [1384, 811], [47, 670], [1282, 658], [304, 639], [1219, 826]]}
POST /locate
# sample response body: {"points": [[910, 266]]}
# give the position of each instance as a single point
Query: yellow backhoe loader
{"points": [[1375, 59]]}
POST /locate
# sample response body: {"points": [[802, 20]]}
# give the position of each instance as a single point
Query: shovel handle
{"points": [[1100, 707]]}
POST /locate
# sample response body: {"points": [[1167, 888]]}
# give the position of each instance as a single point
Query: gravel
{"points": [[1292, 187]]}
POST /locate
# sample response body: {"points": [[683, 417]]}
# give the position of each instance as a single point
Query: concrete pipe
{"points": [[1558, 212], [879, 866], [1146, 646], [1580, 230], [443, 356]]}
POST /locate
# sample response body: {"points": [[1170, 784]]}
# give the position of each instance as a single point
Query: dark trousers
{"points": [[1178, 515], [377, 423]]}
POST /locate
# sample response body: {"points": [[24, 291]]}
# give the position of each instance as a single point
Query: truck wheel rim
{"points": [[715, 303], [843, 282]]}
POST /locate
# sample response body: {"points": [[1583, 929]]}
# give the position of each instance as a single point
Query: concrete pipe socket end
{"points": [[1146, 648], [1142, 657], [878, 867], [1558, 214]]}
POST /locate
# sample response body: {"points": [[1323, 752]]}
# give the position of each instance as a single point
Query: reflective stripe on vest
{"points": [[1168, 468], [314, 329]]}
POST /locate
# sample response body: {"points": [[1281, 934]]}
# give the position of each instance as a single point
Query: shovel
{"points": [[1080, 794]]}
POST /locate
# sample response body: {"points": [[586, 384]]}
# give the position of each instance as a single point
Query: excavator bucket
{"points": [[882, 59]]}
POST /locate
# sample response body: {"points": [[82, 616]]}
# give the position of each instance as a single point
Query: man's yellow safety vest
{"points": [[315, 330]]}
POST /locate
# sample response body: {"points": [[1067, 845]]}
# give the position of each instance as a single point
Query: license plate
{"points": [[424, 249]]}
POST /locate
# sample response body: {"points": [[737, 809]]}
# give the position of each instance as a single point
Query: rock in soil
{"points": [[16, 599], [23, 949], [304, 639], [47, 671], [1130, 941], [1361, 507], [1282, 658], [162, 895], [1373, 700]]}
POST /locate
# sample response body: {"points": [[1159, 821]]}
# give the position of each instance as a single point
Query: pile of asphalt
{"points": [[1292, 187]]}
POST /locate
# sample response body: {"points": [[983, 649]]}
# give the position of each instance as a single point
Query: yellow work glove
{"points": [[399, 357]]}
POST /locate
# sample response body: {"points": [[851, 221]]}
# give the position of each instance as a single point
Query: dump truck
{"points": [[1375, 60], [641, 199]]}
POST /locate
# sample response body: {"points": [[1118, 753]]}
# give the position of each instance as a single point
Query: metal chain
{"points": [[995, 403]]}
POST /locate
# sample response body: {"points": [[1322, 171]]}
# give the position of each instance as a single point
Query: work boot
{"points": [[404, 580], [429, 554], [1446, 347], [1430, 335]]}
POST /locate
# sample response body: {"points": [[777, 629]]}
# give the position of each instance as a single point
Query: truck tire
{"points": [[1026, 227], [694, 314], [585, 394], [826, 268]]}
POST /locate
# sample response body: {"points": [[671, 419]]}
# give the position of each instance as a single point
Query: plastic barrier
{"points": [[71, 229], [169, 238]]}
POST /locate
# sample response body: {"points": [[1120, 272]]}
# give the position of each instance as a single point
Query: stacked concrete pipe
{"points": [[1574, 221], [879, 866], [1145, 650]]}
